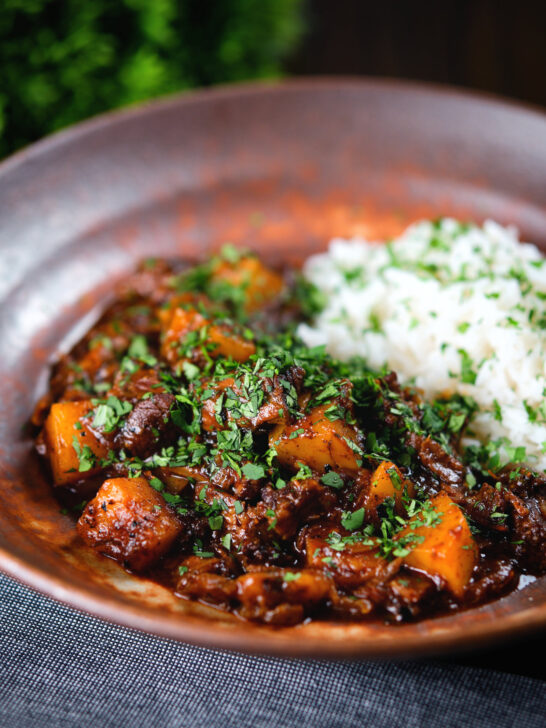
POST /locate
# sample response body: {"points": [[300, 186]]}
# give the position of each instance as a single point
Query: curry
{"points": [[206, 447]]}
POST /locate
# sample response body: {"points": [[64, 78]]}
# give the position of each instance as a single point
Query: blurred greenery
{"points": [[65, 60]]}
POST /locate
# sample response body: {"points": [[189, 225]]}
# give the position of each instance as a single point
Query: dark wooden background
{"points": [[488, 45]]}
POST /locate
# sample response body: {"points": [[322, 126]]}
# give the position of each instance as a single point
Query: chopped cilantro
{"points": [[86, 457], [353, 521], [157, 484], [253, 472], [333, 479], [291, 576]]}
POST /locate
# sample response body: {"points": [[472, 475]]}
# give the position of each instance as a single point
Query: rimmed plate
{"points": [[280, 168]]}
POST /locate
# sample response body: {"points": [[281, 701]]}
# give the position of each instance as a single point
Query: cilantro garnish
{"points": [[353, 521], [109, 413], [291, 576], [333, 479], [253, 472], [86, 457]]}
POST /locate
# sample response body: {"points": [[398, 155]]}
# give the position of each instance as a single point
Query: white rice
{"points": [[441, 295]]}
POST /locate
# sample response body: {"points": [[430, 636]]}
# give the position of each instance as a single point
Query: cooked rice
{"points": [[451, 308]]}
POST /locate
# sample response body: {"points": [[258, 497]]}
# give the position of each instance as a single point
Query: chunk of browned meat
{"points": [[491, 579], [136, 385], [207, 579], [292, 506], [529, 527], [147, 425], [278, 596], [352, 564], [129, 521], [407, 594], [251, 536], [447, 468], [248, 410]]}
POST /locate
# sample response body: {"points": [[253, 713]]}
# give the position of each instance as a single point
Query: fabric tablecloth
{"points": [[61, 668]]}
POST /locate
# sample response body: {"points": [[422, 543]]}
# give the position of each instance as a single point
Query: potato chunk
{"points": [[73, 449], [388, 482], [447, 549], [260, 284], [129, 521], [184, 325], [317, 441]]}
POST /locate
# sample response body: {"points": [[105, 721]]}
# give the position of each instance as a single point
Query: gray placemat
{"points": [[62, 668]]}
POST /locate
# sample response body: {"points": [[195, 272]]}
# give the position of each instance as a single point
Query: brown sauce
{"points": [[201, 445]]}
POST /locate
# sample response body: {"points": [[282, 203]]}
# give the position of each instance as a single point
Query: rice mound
{"points": [[452, 308]]}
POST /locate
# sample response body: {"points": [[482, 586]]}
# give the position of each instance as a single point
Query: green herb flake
{"points": [[353, 521], [332, 479], [253, 472], [291, 576], [156, 484], [216, 522]]}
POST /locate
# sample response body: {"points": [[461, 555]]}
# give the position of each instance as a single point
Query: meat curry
{"points": [[199, 443]]}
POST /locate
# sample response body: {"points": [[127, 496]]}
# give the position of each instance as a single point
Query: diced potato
{"points": [[64, 423], [181, 300], [259, 283], [220, 340], [316, 442], [388, 482], [448, 549], [129, 521]]}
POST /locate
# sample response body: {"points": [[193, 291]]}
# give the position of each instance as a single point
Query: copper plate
{"points": [[280, 168]]}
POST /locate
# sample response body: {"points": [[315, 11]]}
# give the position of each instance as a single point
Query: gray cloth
{"points": [[61, 668]]}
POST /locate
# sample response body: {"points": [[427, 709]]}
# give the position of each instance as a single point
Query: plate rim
{"points": [[244, 89], [206, 634]]}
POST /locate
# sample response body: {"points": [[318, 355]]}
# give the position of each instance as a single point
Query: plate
{"points": [[281, 169]]}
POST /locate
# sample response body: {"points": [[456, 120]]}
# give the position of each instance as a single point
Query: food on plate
{"points": [[451, 308], [232, 431]]}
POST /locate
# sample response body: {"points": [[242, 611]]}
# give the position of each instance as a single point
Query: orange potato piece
{"points": [[59, 433], [259, 283], [388, 482], [181, 300], [448, 550], [226, 342], [322, 442], [129, 521]]}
